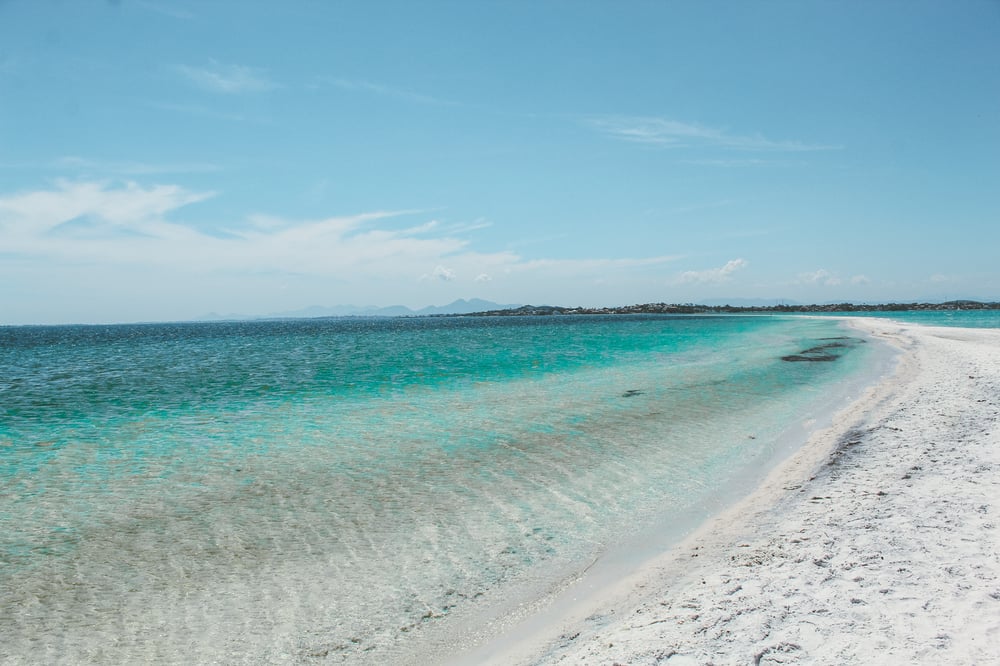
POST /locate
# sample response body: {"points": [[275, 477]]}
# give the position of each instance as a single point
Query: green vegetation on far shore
{"points": [[691, 308]]}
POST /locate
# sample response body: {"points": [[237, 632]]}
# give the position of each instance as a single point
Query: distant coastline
{"points": [[691, 308]]}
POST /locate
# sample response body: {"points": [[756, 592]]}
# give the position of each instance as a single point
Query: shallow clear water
{"points": [[331, 491], [960, 318]]}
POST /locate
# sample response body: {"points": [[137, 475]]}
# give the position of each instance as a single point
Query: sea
{"points": [[372, 491], [947, 318]]}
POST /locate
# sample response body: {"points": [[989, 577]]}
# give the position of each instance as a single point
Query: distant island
{"points": [[691, 308]]}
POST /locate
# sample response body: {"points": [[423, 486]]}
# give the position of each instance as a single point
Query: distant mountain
{"points": [[461, 306]]}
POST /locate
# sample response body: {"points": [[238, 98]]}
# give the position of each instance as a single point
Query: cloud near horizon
{"points": [[441, 273], [718, 275], [128, 224], [829, 279]]}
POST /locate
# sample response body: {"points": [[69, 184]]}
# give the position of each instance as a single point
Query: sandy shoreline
{"points": [[876, 541]]}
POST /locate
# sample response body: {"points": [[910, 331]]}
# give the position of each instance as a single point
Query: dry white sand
{"points": [[877, 542]]}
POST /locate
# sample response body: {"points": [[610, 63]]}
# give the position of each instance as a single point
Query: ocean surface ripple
{"points": [[327, 491]]}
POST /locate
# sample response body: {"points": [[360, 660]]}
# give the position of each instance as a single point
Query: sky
{"points": [[163, 160]]}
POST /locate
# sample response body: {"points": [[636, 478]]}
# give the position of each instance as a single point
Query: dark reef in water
{"points": [[828, 351], [819, 353]]}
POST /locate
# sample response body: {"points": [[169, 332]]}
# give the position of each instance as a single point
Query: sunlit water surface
{"points": [[338, 491]]}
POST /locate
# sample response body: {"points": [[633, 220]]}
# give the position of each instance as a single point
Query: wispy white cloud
{"points": [[820, 276], [124, 227], [657, 131], [424, 228], [721, 274], [442, 273], [226, 78], [478, 223], [668, 133], [29, 216], [383, 90], [128, 224], [825, 278]]}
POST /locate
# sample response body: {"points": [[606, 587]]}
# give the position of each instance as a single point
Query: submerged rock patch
{"points": [[824, 352]]}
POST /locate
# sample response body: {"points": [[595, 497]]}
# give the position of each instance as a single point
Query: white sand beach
{"points": [[877, 542]]}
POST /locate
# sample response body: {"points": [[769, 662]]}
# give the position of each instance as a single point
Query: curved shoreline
{"points": [[498, 634], [876, 538]]}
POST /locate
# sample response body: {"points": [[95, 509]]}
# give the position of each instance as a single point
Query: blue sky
{"points": [[161, 160]]}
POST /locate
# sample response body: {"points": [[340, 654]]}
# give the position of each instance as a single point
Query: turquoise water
{"points": [[961, 318], [339, 491]]}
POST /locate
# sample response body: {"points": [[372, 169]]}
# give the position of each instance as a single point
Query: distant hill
{"points": [[691, 308], [461, 306]]}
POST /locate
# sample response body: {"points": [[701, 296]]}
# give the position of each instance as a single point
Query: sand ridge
{"points": [[878, 540]]}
